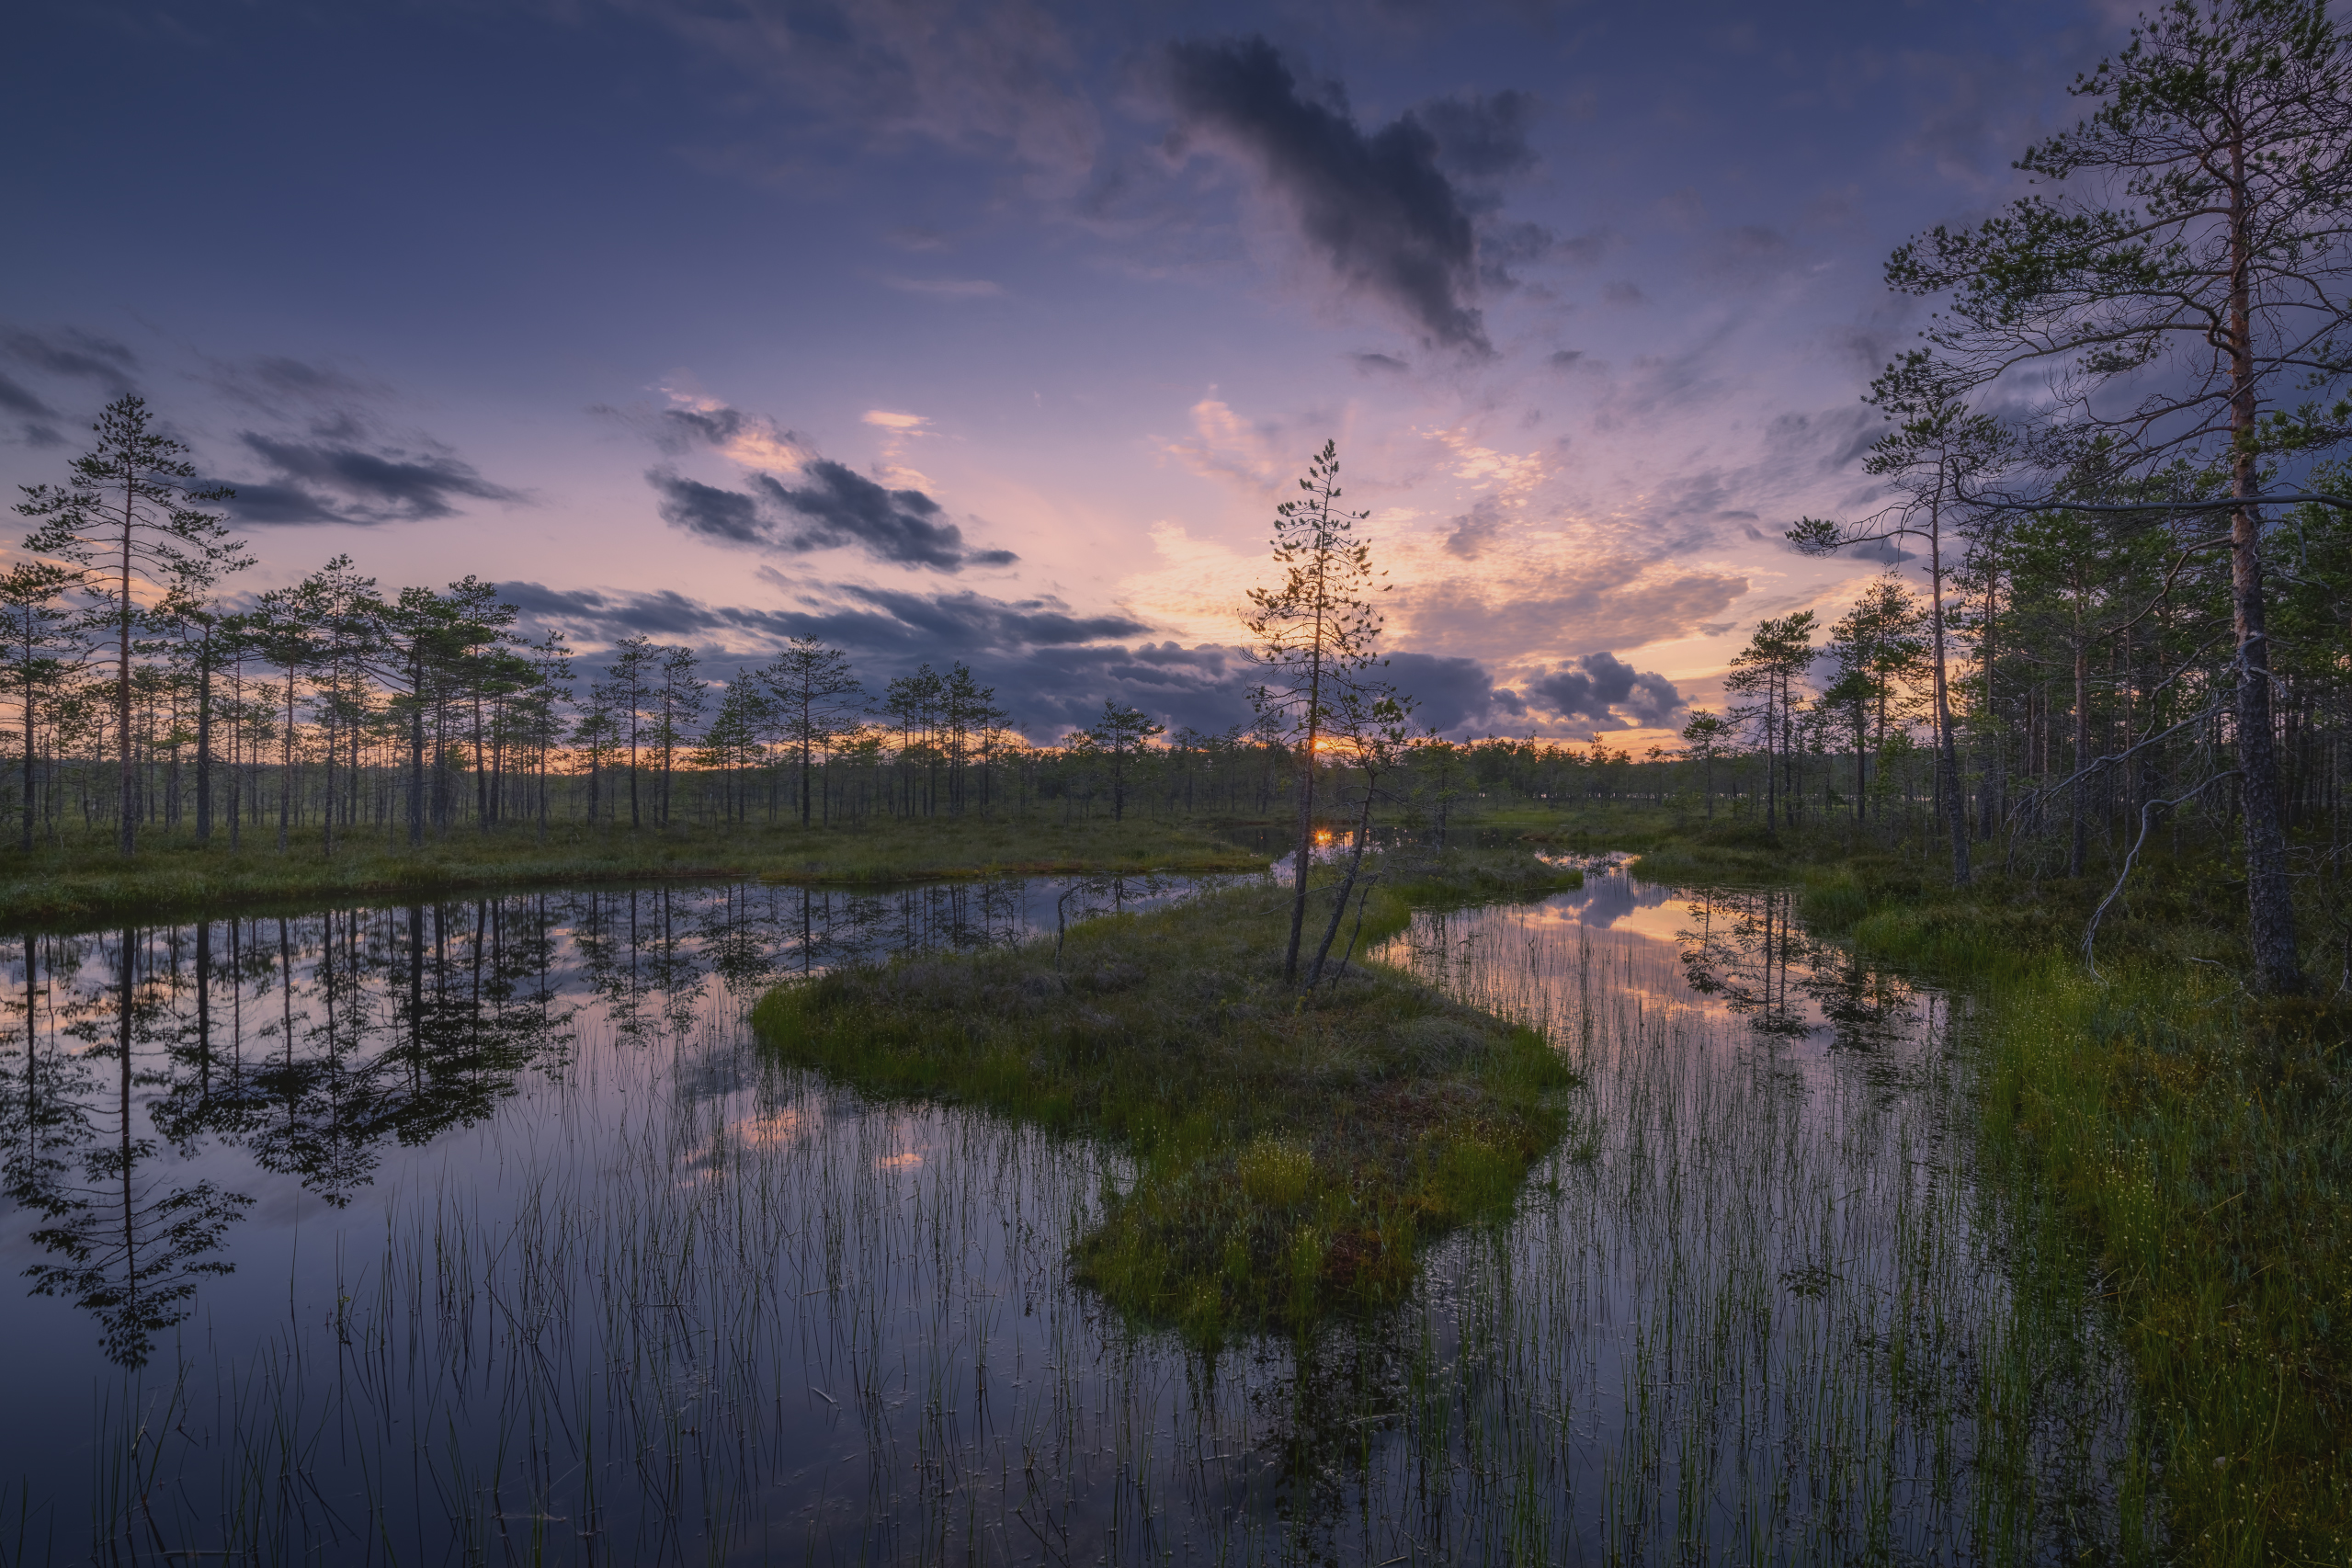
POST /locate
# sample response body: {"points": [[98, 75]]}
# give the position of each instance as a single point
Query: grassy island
{"points": [[82, 882], [1294, 1154]]}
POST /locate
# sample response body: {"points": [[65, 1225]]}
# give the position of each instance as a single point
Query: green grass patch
{"points": [[1294, 1156], [1585, 826], [172, 874], [2206, 1141]]}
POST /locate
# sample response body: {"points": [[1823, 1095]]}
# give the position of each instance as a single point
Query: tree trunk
{"points": [[1339, 904], [1947, 747], [415, 757], [204, 741], [2277, 966], [130, 803]]}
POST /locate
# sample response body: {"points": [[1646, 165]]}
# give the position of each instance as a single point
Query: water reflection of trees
{"points": [[1749, 950], [313, 1045]]}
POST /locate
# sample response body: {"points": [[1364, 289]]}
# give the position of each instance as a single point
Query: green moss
{"points": [[1294, 1155]]}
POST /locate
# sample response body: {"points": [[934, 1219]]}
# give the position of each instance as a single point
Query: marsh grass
{"points": [[172, 874], [2204, 1140], [2193, 1142], [1773, 1312], [1295, 1152], [680, 1303]]}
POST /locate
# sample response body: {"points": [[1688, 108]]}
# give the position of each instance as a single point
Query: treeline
{"points": [[333, 708]]}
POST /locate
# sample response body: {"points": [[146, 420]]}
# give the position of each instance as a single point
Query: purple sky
{"points": [[995, 332]]}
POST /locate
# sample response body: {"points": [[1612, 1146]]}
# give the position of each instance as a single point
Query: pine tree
{"points": [[1315, 635], [815, 698], [133, 515]]}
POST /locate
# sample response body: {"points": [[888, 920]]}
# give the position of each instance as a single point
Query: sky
{"points": [[995, 332]]}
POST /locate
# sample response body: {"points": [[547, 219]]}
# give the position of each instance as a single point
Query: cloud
{"points": [[1608, 694], [841, 507], [1382, 364], [1001, 81], [276, 383], [1482, 136], [693, 422], [1256, 455], [322, 481], [1476, 528], [1531, 610], [969, 620], [70, 351], [1564, 359], [1624, 293], [17, 400], [706, 509], [1377, 208], [1053, 666], [1451, 695], [834, 506], [948, 288]]}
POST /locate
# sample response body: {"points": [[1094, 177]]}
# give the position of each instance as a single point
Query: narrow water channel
{"points": [[481, 1231]]}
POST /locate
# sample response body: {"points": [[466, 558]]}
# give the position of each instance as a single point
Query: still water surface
{"points": [[482, 1230]]}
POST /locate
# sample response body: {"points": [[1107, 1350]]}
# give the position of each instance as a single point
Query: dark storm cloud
{"points": [[1450, 696], [1376, 207], [1608, 694], [334, 482], [841, 507], [1055, 690]]}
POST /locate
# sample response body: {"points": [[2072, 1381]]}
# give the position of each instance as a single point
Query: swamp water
{"points": [[482, 1230]]}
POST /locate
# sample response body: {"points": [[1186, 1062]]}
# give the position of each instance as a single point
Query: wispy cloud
{"points": [[948, 288], [334, 482]]}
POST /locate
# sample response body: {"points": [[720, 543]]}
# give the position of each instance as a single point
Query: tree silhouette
{"points": [[1313, 634], [1778, 653], [132, 517], [680, 701], [1120, 735], [41, 653], [814, 696]]}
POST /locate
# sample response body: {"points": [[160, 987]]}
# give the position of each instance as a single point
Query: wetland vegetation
{"points": [[552, 1255], [1295, 1151]]}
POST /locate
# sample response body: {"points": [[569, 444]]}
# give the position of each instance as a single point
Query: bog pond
{"points": [[482, 1230]]}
